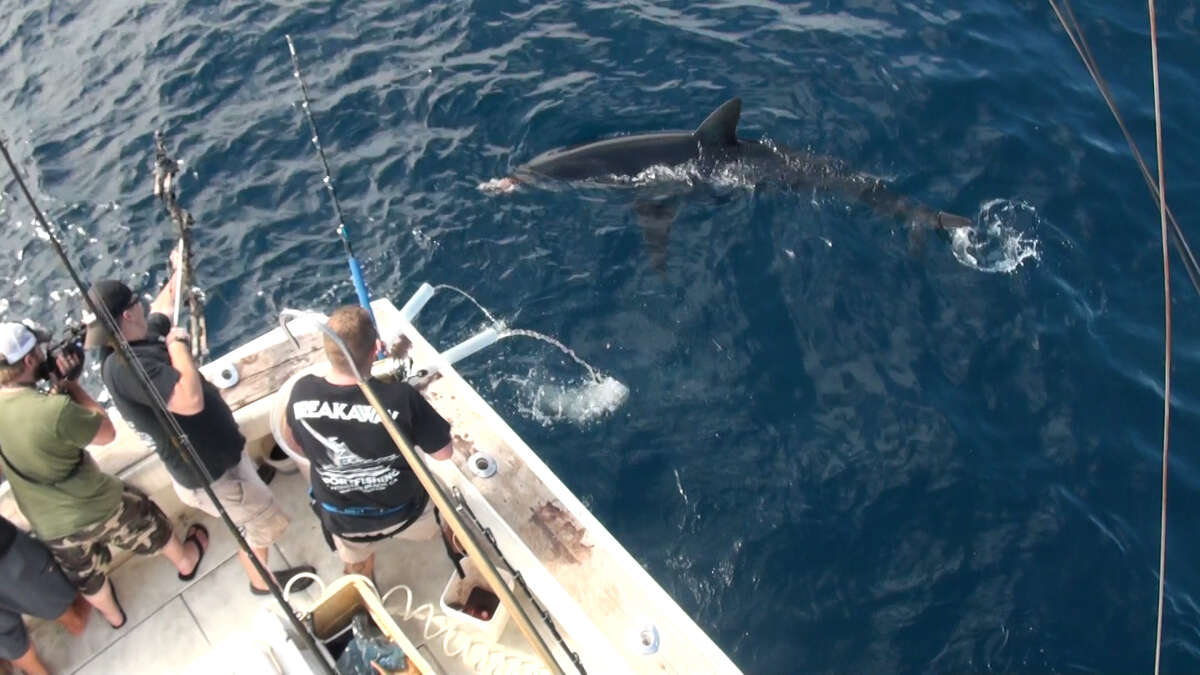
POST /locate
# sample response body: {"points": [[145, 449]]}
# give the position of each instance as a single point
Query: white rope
{"points": [[1166, 432], [480, 656], [287, 590]]}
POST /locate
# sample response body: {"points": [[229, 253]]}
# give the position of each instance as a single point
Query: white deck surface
{"points": [[602, 599], [173, 625]]}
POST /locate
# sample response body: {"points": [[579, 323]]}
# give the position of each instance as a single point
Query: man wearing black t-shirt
{"points": [[363, 490], [165, 354]]}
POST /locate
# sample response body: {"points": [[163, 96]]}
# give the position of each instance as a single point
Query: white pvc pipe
{"points": [[414, 305], [462, 350]]}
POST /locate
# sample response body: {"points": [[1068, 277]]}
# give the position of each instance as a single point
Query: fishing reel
{"points": [[71, 344]]}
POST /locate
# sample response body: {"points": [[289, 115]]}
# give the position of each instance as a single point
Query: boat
{"points": [[590, 601]]}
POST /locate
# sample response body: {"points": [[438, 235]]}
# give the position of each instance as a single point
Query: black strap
{"points": [[54, 484], [454, 557]]}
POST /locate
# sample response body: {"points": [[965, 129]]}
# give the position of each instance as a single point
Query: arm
{"points": [[291, 440], [430, 430], [445, 453], [107, 432], [187, 398], [164, 302]]}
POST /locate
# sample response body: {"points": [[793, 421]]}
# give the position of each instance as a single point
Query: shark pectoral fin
{"points": [[720, 127], [655, 218], [916, 241]]}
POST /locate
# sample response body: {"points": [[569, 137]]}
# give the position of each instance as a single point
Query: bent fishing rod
{"points": [[356, 274], [179, 439]]}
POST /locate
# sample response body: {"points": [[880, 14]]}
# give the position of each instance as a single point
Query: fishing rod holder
{"points": [[481, 340], [416, 303]]}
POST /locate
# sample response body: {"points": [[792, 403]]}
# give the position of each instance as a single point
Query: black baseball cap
{"points": [[116, 297]]}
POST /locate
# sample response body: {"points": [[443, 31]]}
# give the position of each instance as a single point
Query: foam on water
{"points": [[1001, 240], [545, 400]]}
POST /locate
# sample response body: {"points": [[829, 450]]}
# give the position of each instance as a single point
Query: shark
{"points": [[707, 149]]}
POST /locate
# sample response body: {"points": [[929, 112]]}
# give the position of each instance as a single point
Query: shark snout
{"points": [[500, 185], [949, 221]]}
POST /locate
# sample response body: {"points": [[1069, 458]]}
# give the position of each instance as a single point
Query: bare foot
{"points": [[76, 617]]}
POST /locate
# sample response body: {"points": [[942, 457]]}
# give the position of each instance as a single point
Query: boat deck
{"points": [[201, 626], [611, 612]]}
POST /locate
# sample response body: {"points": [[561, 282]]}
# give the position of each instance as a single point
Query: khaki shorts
{"points": [[138, 525], [352, 552], [248, 501]]}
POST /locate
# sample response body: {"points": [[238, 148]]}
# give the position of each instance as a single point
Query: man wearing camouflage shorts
{"points": [[72, 506]]}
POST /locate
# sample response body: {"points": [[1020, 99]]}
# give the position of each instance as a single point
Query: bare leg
{"points": [[183, 557], [76, 617], [30, 662], [104, 601], [255, 580], [365, 568]]}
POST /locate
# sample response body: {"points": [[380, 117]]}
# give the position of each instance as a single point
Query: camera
{"points": [[69, 344]]}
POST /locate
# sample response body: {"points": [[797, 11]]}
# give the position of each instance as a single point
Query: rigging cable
{"points": [[1075, 32], [179, 439], [1066, 16], [1162, 212]]}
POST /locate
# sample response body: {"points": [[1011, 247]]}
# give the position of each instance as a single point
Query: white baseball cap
{"points": [[16, 340]]}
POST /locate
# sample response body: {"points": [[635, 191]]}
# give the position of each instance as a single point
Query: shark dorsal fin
{"points": [[720, 127]]}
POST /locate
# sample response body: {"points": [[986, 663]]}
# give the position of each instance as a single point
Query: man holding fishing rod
{"points": [[363, 490], [165, 354]]}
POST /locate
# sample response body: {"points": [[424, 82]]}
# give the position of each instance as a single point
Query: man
{"points": [[363, 490], [202, 414], [30, 583], [78, 511]]}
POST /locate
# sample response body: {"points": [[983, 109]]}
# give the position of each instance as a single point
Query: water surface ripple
{"points": [[842, 449]]}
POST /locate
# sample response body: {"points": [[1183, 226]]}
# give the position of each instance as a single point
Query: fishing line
{"points": [[178, 438]]}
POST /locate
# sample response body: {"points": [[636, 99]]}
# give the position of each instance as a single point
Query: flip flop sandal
{"points": [[192, 533], [117, 602], [282, 577]]}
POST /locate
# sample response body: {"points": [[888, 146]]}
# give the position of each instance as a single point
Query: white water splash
{"points": [[1002, 238], [423, 240], [548, 402], [498, 186]]}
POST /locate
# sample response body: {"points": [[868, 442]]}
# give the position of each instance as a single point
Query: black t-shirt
{"points": [[359, 479], [8, 534], [212, 431]]}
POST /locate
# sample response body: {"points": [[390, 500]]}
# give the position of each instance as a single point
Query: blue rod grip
{"points": [[360, 286]]}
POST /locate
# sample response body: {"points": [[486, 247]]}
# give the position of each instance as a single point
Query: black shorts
{"points": [[30, 583]]}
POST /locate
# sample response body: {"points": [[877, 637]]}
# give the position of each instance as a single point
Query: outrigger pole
{"points": [[356, 275], [182, 443], [466, 536]]}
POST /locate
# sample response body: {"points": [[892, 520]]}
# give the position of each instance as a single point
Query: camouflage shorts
{"points": [[85, 557]]}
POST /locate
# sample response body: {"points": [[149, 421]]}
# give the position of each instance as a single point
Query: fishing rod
{"points": [[165, 169], [179, 439], [356, 275]]}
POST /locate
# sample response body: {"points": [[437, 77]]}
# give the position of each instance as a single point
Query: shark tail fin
{"points": [[720, 127]]}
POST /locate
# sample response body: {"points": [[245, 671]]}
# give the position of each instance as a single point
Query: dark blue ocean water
{"points": [[840, 450]]}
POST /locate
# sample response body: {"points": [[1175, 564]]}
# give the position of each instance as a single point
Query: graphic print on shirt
{"points": [[346, 471]]}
